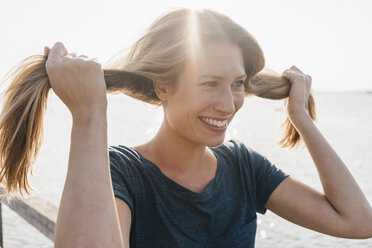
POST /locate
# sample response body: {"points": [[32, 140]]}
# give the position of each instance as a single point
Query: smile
{"points": [[214, 122]]}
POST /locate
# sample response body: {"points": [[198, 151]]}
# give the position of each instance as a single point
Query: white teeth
{"points": [[214, 122]]}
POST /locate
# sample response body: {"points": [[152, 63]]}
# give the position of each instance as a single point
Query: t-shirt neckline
{"points": [[177, 188]]}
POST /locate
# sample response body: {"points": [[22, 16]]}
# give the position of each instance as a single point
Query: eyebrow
{"points": [[220, 77]]}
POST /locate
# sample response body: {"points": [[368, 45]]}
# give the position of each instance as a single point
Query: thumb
{"points": [[57, 51], [46, 50]]}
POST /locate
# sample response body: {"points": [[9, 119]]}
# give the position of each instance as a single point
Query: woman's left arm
{"points": [[343, 210]]}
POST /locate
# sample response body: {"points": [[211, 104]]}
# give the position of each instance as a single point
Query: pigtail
{"points": [[270, 85], [22, 116]]}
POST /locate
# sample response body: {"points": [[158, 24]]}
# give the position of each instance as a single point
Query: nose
{"points": [[225, 103]]}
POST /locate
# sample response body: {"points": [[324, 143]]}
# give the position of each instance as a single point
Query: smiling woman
{"points": [[159, 56], [186, 187]]}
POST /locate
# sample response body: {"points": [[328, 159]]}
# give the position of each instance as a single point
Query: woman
{"points": [[186, 187]]}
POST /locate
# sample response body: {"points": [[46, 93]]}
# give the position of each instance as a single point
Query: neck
{"points": [[177, 154]]}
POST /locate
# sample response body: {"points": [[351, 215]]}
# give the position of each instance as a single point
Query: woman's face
{"points": [[208, 94]]}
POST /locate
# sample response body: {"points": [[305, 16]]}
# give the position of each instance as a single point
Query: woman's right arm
{"points": [[87, 215]]}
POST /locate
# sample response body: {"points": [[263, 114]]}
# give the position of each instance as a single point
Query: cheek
{"points": [[183, 108], [185, 117], [239, 101], [192, 100]]}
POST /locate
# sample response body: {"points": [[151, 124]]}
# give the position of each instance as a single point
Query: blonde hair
{"points": [[159, 55]]}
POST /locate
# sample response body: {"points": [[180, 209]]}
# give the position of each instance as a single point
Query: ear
{"points": [[162, 90]]}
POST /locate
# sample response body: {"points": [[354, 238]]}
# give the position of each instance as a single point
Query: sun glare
{"points": [[192, 34]]}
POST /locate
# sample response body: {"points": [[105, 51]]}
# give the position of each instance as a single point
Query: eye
{"points": [[239, 83], [212, 83]]}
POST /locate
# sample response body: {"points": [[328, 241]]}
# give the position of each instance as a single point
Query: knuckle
{"points": [[79, 63], [65, 61], [90, 62], [94, 64], [84, 64]]}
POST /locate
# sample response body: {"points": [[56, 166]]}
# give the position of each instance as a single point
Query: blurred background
{"points": [[329, 40]]}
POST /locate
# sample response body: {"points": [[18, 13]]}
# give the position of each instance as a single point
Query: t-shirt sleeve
{"points": [[266, 176], [121, 179]]}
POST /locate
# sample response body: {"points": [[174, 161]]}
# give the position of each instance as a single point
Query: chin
{"points": [[217, 141]]}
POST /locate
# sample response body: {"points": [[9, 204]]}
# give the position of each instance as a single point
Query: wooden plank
{"points": [[40, 213]]}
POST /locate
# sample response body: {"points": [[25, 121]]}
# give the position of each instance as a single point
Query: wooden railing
{"points": [[40, 213]]}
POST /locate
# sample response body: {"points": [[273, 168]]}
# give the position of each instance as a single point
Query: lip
{"points": [[213, 128], [214, 118]]}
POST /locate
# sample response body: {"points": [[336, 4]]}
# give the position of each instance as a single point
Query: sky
{"points": [[331, 40]]}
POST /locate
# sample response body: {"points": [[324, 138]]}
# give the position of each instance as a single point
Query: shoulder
{"points": [[235, 148], [126, 167], [123, 153], [246, 158], [124, 158]]}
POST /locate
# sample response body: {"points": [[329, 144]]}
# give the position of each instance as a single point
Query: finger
{"points": [[284, 72], [293, 67], [288, 73], [77, 55], [83, 56], [74, 55], [46, 50], [292, 73], [58, 51], [95, 59], [71, 55]]}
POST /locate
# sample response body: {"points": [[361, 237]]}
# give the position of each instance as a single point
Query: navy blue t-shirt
{"points": [[166, 214]]}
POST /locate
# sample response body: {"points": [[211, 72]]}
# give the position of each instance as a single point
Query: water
{"points": [[345, 119]]}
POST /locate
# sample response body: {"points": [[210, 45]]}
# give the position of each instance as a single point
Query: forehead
{"points": [[221, 58]]}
